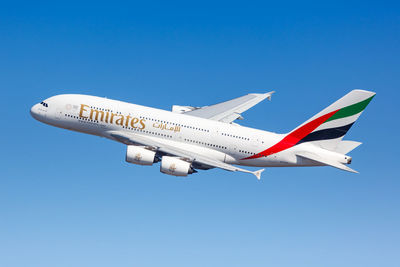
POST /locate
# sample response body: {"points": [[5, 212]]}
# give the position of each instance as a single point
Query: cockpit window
{"points": [[44, 104]]}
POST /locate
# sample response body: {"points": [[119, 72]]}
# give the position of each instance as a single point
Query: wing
{"points": [[230, 110], [159, 145]]}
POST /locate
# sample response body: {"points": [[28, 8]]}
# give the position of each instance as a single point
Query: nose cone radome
{"points": [[35, 111]]}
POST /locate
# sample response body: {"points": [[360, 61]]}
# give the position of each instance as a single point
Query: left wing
{"points": [[168, 149], [230, 110]]}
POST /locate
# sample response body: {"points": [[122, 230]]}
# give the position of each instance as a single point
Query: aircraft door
{"points": [[59, 113]]}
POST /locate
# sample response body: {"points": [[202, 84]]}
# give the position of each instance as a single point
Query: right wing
{"points": [[231, 110], [171, 150]]}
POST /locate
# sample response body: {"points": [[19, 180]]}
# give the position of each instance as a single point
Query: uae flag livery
{"points": [[327, 128]]}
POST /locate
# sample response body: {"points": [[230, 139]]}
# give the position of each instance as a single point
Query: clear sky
{"points": [[69, 199]]}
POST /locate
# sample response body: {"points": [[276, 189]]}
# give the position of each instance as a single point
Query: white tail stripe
{"points": [[338, 122]]}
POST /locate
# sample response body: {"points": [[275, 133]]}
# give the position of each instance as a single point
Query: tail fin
{"points": [[328, 127]]}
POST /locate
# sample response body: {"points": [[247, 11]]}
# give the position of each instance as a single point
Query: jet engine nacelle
{"points": [[140, 155], [175, 166]]}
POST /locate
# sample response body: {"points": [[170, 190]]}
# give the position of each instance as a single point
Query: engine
{"points": [[175, 166], [140, 155]]}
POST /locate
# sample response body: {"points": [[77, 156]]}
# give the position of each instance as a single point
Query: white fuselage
{"points": [[230, 143]]}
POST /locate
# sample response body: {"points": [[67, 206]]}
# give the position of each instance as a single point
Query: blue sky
{"points": [[68, 199]]}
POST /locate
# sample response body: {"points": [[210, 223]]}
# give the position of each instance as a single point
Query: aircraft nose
{"points": [[35, 111]]}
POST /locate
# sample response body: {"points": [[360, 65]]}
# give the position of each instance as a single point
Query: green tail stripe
{"points": [[350, 110]]}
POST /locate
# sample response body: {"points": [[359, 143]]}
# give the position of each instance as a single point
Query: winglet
{"points": [[269, 95], [258, 173]]}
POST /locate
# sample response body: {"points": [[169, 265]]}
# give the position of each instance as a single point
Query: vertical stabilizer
{"points": [[328, 127]]}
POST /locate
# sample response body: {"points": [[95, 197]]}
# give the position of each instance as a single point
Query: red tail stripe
{"points": [[294, 137]]}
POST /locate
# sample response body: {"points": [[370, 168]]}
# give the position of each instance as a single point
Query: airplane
{"points": [[187, 139]]}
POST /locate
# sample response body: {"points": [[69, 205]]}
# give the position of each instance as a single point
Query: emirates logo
{"points": [[138, 157], [172, 168]]}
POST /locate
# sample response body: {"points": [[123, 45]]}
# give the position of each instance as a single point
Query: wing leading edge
{"points": [[231, 110]]}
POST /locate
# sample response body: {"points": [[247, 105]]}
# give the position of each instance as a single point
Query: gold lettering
{"points": [[107, 114], [120, 121], [142, 123], [127, 120], [112, 116], [97, 114], [82, 110], [133, 122]]}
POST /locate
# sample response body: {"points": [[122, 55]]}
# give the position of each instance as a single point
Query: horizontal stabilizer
{"points": [[345, 147], [329, 162]]}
